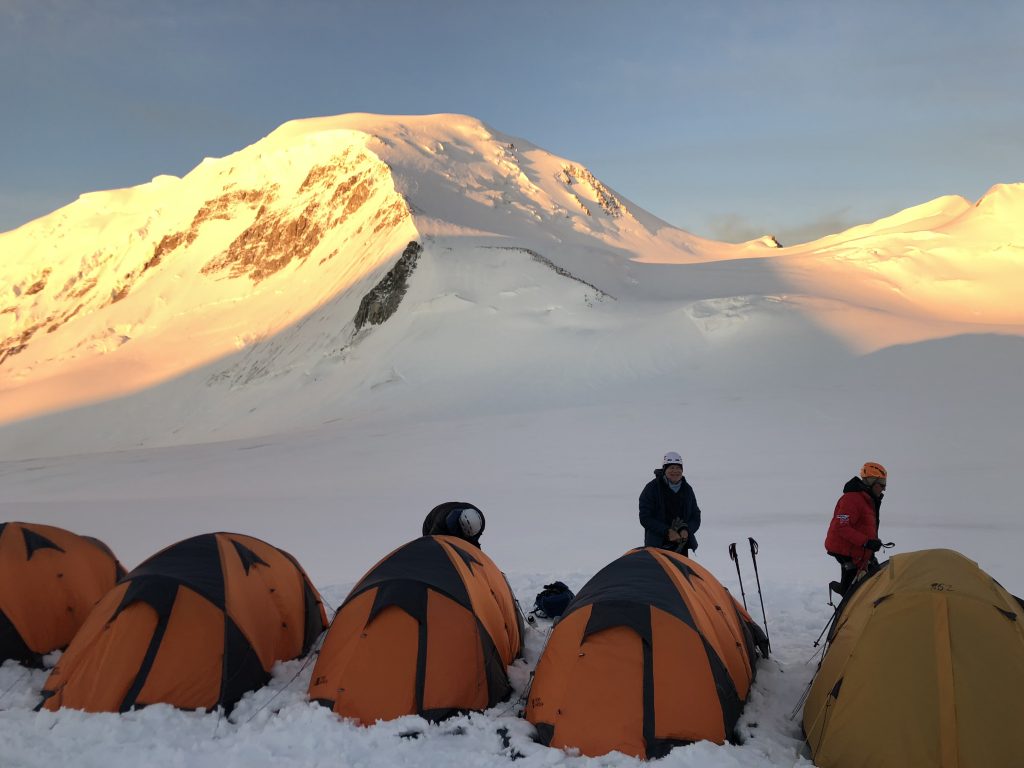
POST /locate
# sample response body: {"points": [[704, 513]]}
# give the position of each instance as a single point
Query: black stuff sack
{"points": [[552, 601]]}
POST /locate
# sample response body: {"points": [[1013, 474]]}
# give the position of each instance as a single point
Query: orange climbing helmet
{"points": [[872, 470]]}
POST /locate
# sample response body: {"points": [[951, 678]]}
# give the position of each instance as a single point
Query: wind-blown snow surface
{"points": [[553, 342]]}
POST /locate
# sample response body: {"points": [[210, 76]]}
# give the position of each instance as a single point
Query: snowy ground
{"points": [[767, 454], [559, 488], [278, 726]]}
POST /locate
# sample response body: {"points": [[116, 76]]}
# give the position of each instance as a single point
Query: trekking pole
{"points": [[753, 556], [823, 631], [735, 559], [801, 700]]}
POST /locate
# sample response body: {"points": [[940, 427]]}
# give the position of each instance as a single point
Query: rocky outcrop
{"points": [[15, 344], [39, 284], [330, 194], [281, 235], [383, 299], [572, 175]]}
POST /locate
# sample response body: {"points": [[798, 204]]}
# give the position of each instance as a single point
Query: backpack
{"points": [[552, 601]]}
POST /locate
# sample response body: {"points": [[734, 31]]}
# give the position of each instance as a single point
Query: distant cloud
{"points": [[829, 223], [737, 228], [734, 228]]}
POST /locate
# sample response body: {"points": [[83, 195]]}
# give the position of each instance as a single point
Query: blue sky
{"points": [[728, 119]]}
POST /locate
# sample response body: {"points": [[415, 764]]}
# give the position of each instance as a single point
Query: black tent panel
{"points": [[636, 577], [423, 560], [247, 556], [242, 671], [12, 646], [194, 562], [34, 542]]}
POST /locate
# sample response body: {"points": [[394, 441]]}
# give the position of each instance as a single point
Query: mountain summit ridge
{"points": [[311, 190], [252, 268]]}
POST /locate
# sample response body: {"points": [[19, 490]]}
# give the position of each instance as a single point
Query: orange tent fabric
{"points": [[652, 653], [196, 625], [50, 579], [429, 630]]}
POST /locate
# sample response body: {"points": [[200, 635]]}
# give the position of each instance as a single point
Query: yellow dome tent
{"points": [[925, 667]]}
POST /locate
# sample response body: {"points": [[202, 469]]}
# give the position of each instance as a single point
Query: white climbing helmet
{"points": [[672, 458], [471, 522]]}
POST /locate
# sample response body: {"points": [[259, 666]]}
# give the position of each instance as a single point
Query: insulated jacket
{"points": [[854, 521], [659, 506], [435, 523]]}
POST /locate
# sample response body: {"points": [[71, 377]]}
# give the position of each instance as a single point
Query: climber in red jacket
{"points": [[853, 533]]}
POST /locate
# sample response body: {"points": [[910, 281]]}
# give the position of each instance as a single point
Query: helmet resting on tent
{"points": [[469, 520], [456, 518]]}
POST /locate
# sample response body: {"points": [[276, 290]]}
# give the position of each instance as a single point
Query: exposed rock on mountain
{"points": [[383, 300]]}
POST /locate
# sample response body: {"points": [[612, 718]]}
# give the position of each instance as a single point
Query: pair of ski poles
{"points": [[753, 556]]}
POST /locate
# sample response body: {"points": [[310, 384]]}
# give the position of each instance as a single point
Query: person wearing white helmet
{"points": [[668, 508], [455, 518]]}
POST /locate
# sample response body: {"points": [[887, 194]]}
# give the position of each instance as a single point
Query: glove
{"points": [[873, 544]]}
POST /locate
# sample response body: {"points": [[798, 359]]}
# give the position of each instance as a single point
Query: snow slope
{"points": [[253, 266], [553, 341]]}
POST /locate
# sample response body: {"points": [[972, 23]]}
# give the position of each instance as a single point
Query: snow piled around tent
{"points": [[278, 727]]}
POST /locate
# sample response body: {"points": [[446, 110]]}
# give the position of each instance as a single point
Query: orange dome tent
{"points": [[429, 630], [652, 653], [196, 625], [50, 579]]}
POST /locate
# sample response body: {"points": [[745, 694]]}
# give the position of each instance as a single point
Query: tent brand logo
{"points": [[938, 587]]}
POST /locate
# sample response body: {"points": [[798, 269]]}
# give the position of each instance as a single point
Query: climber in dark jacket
{"points": [[455, 518], [668, 508]]}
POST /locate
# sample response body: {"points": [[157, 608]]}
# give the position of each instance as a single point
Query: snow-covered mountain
{"points": [[317, 339], [246, 278]]}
